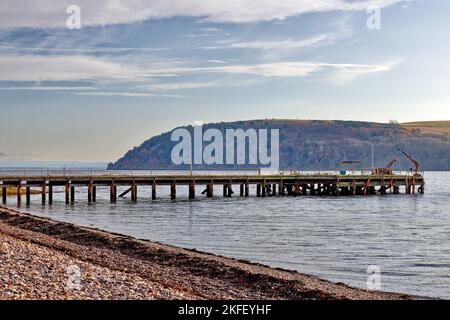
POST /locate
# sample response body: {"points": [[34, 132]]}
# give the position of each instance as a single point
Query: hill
{"points": [[429, 127], [303, 142]]}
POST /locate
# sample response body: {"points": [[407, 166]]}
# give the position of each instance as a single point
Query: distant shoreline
{"points": [[115, 266]]}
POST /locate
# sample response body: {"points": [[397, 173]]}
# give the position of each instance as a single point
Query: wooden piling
{"points": [[113, 192], [19, 194], [50, 193], [192, 190], [94, 193], [67, 192], [72, 194], [281, 190], [241, 190], [173, 190], [90, 189], [246, 189], [274, 189], [154, 190], [258, 190], [28, 196], [4, 194], [210, 190], [44, 193], [134, 192]]}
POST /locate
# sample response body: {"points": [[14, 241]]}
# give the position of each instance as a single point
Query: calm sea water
{"points": [[407, 236]]}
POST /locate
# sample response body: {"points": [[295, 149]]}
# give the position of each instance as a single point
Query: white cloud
{"points": [[38, 88], [128, 94], [281, 44], [73, 68], [50, 13]]}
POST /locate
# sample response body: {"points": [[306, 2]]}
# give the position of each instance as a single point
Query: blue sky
{"points": [[138, 68]]}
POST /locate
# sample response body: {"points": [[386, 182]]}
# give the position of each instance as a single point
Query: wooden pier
{"points": [[233, 185]]}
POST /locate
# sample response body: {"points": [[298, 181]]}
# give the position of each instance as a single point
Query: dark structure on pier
{"points": [[233, 185]]}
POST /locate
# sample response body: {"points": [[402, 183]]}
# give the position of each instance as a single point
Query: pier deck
{"points": [[266, 185]]}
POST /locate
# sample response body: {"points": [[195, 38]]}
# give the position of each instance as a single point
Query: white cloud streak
{"points": [[77, 68], [50, 13]]}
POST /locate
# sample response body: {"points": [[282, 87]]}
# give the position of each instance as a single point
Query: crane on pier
{"points": [[414, 161], [386, 170]]}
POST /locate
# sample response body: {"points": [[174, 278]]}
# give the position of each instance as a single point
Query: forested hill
{"points": [[303, 142]]}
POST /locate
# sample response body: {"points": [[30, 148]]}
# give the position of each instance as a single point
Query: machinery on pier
{"points": [[386, 170], [416, 163]]}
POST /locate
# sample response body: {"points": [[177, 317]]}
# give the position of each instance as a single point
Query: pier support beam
{"points": [[19, 195], [274, 189], [4, 194], [192, 190], [134, 192], [241, 190], [297, 189], [94, 193], [173, 190], [72, 194], [90, 191], [154, 190], [281, 189], [258, 190], [113, 192], [50, 193], [246, 190], [28, 196], [67, 192], [210, 190], [44, 193]]}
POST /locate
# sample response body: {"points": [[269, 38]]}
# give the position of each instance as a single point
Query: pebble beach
{"points": [[45, 259]]}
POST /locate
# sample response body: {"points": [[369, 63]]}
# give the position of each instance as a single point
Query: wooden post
{"points": [[297, 188], [28, 197], [413, 183], [241, 190], [230, 189], [4, 194], [67, 192], [154, 190], [258, 190], [274, 189], [19, 194], [281, 188], [354, 187], [94, 193], [192, 190], [225, 187], [72, 194], [246, 189], [44, 193], [264, 189], [134, 192], [50, 193], [90, 187], [209, 190], [173, 190], [113, 192]]}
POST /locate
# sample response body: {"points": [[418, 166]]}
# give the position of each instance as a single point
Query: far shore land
{"points": [[35, 254]]}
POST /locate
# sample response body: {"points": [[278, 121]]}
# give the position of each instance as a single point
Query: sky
{"points": [[136, 68]]}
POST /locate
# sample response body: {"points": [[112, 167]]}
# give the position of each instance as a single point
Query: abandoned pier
{"points": [[292, 184]]}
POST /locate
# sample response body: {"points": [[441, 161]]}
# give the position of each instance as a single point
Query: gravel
{"points": [[45, 259]]}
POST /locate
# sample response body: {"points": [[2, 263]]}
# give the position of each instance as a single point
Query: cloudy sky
{"points": [[138, 68]]}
